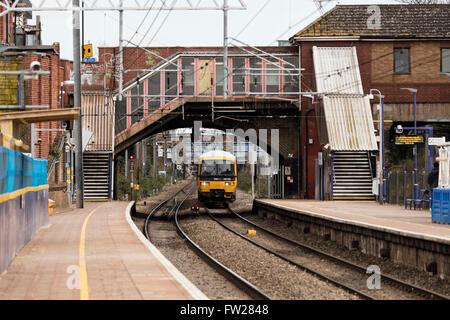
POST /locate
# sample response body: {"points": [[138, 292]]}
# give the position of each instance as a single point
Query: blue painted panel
{"points": [[18, 171], [440, 212]]}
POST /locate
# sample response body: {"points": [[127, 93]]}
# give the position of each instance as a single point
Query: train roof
{"points": [[218, 154]]}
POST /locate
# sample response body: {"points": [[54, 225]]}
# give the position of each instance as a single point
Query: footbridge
{"points": [[188, 86]]}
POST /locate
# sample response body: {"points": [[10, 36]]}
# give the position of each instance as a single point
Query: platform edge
{"points": [[404, 233], [188, 285]]}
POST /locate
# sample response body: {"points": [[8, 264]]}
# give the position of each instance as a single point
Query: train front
{"points": [[217, 178]]}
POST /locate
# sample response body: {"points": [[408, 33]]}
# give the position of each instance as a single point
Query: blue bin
{"points": [[440, 211]]}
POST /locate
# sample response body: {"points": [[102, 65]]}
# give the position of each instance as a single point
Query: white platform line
{"points": [[188, 285]]}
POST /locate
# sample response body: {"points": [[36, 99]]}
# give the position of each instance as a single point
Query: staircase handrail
{"points": [[56, 158]]}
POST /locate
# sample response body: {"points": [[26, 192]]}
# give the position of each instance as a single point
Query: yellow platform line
{"points": [[9, 196], [84, 287]]}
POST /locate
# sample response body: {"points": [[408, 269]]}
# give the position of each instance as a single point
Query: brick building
{"points": [[21, 45], [397, 46]]}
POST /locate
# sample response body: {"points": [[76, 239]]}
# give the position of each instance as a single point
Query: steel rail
{"points": [[410, 287], [157, 208], [300, 266], [239, 281]]}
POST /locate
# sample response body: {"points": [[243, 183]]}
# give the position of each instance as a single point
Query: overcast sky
{"points": [[279, 19]]}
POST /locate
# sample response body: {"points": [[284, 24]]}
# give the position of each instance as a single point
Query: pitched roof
{"points": [[397, 21]]}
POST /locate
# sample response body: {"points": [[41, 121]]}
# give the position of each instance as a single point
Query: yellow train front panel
{"points": [[217, 178]]}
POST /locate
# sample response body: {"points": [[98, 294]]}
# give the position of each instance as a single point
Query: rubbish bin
{"points": [[440, 211], [51, 204]]}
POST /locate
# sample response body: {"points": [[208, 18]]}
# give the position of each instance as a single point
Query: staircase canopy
{"points": [[98, 120], [348, 114]]}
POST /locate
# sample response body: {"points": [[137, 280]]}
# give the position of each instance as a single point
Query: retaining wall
{"points": [[425, 254]]}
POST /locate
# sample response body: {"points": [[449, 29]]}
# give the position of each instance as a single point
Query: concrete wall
{"points": [[22, 213]]}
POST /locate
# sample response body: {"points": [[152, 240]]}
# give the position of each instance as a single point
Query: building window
{"points": [[445, 60], [272, 75], [255, 75], [219, 76], [188, 76], [238, 76], [154, 91], [291, 78], [402, 60]]}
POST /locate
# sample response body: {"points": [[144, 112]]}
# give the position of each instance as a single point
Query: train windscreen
{"points": [[217, 168]]}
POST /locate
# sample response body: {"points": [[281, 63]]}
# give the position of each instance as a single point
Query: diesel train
{"points": [[217, 177]]}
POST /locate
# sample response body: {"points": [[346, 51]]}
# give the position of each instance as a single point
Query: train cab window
{"points": [[217, 168]]}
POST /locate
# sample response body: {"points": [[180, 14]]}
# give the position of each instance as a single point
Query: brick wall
{"points": [[46, 91], [376, 63], [3, 33], [425, 63]]}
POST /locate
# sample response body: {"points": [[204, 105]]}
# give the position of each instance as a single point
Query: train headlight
{"points": [[228, 184], [205, 183]]}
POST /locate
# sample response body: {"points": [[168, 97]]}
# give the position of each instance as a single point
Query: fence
{"points": [[18, 171], [400, 185], [23, 201]]}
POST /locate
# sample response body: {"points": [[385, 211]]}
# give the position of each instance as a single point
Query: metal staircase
{"points": [[352, 176], [96, 173]]}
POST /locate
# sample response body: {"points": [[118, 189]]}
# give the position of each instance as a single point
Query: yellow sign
{"points": [[136, 187], [87, 51], [408, 140]]}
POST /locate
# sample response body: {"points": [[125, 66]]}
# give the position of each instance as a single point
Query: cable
{"points": [[296, 24], [159, 11], [382, 75], [251, 20]]}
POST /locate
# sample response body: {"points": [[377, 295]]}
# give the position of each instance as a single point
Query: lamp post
{"points": [[382, 158], [416, 187]]}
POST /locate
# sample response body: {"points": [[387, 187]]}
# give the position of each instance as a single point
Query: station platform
{"points": [[94, 253], [390, 218], [383, 231]]}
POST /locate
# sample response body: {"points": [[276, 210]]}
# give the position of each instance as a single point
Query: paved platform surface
{"points": [[371, 214], [118, 265]]}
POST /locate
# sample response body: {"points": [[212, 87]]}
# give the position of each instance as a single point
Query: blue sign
{"points": [[90, 60]]}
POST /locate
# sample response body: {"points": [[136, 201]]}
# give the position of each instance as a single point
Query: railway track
{"points": [[171, 207], [397, 283]]}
